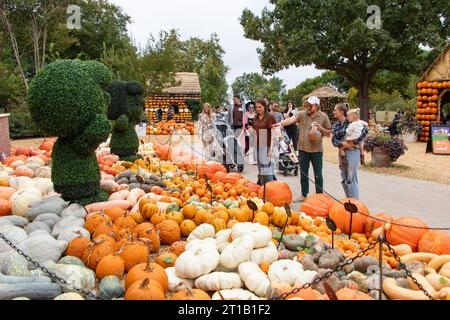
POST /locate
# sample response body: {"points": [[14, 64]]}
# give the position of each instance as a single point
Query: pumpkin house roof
{"points": [[189, 83], [325, 92], [440, 69]]}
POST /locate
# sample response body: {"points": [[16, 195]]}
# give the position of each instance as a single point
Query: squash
{"points": [[287, 271], [193, 264], [145, 289], [419, 256], [218, 281], [234, 294], [260, 234], [39, 291], [350, 294], [110, 265], [317, 205], [237, 252], [110, 288], [394, 291], [222, 239], [148, 270], [255, 280], [438, 261], [433, 241], [43, 248], [23, 199], [169, 231], [72, 232], [53, 204], [277, 193], [203, 231], [267, 254], [25, 279], [166, 259], [70, 222], [191, 294], [342, 217], [438, 281], [14, 220], [77, 276], [422, 281], [396, 234], [15, 234], [72, 261], [5, 207], [50, 219], [176, 283]]}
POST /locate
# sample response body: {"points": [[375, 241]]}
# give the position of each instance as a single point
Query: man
{"points": [[313, 125], [236, 120]]}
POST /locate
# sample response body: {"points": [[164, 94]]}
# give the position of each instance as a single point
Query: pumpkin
{"points": [[219, 176], [191, 294], [149, 210], [156, 190], [5, 207], [255, 280], [351, 294], [176, 283], [265, 266], [396, 235], [267, 254], [197, 261], [145, 289], [22, 200], [175, 216], [134, 254], [77, 246], [372, 224], [268, 208], [166, 259], [286, 271], [95, 251], [342, 217], [277, 193], [186, 227], [149, 270], [152, 235], [219, 224], [137, 216], [178, 247], [6, 192], [232, 178], [433, 241], [105, 228], [261, 235], [262, 218], [142, 227], [110, 288], [237, 252], [169, 231], [317, 205], [189, 211], [158, 218], [110, 265], [114, 213], [202, 231], [219, 281], [94, 220], [125, 222], [222, 214]]}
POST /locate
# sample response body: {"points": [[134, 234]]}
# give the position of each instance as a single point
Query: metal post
{"points": [[380, 261]]}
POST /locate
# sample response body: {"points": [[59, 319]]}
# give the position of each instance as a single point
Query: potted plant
{"points": [[409, 127], [384, 149]]}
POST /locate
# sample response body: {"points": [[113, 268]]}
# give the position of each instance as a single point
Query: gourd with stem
{"points": [[252, 207], [289, 214]]}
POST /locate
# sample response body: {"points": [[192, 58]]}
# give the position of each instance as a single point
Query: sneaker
{"points": [[300, 199]]}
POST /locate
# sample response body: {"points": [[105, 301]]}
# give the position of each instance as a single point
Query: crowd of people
{"points": [[259, 127]]}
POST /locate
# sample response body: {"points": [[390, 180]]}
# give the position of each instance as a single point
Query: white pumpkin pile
{"points": [[228, 261], [41, 228]]}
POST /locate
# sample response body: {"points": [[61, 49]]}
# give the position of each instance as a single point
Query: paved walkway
{"points": [[397, 196]]}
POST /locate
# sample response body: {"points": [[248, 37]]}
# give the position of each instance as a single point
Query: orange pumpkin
{"points": [[5, 207], [317, 205], [342, 217], [372, 224], [145, 289], [433, 241], [77, 246], [186, 227], [110, 265], [149, 270], [169, 231], [166, 259], [350, 294], [219, 224], [396, 235], [133, 254], [277, 193], [189, 211], [191, 294], [178, 247]]}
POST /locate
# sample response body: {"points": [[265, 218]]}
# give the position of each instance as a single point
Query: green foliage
{"points": [[195, 107], [126, 108], [383, 101], [21, 124], [66, 99], [251, 86], [334, 35]]}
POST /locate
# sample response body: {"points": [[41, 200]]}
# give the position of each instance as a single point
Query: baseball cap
{"points": [[313, 100]]}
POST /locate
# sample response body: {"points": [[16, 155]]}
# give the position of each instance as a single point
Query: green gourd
{"points": [[110, 288]]}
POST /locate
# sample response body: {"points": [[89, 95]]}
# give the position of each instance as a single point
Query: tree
{"points": [[251, 86], [335, 35], [329, 78]]}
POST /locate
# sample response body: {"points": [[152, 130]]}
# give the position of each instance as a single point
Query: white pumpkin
{"points": [[234, 294], [237, 252], [193, 264], [36, 160], [14, 234], [17, 163], [204, 244], [307, 276], [44, 185], [33, 166], [43, 172], [254, 278], [222, 239], [260, 234], [4, 176], [23, 199], [203, 231], [285, 271], [268, 253], [43, 247], [219, 281], [69, 296], [176, 283], [19, 183]]}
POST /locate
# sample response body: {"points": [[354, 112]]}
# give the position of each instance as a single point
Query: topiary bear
{"points": [[68, 99], [126, 110]]}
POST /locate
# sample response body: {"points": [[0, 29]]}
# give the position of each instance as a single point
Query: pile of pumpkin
{"points": [[171, 127]]}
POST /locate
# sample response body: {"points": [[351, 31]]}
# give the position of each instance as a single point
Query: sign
{"points": [[440, 139]]}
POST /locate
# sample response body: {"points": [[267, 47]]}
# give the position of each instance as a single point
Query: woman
{"points": [[291, 130], [250, 136], [349, 163], [263, 124], [206, 129]]}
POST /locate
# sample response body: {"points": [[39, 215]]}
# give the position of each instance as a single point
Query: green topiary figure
{"points": [[68, 99], [126, 110]]}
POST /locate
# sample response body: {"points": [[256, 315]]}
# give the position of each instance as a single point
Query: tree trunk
{"points": [[4, 19], [363, 99]]}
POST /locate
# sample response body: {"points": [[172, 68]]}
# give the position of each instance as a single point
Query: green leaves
{"points": [[251, 86]]}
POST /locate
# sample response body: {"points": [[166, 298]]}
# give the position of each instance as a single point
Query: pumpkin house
{"points": [[433, 91], [178, 97], [329, 97]]}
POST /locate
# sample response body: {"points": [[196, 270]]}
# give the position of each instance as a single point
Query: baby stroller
{"points": [[287, 159], [227, 149]]}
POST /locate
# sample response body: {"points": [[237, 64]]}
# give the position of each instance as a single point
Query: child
{"points": [[286, 149], [354, 131]]}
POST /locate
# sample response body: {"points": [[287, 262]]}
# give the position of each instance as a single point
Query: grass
{"points": [[415, 163]]}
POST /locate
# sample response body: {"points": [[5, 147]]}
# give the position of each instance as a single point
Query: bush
{"points": [[21, 125], [195, 107], [394, 147]]}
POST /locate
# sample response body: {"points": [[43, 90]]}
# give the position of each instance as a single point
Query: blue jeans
{"points": [[265, 165], [349, 172]]}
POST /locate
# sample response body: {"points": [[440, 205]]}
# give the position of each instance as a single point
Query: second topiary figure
{"points": [[126, 110]]}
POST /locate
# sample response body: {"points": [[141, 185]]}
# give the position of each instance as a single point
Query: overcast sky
{"points": [[200, 18]]}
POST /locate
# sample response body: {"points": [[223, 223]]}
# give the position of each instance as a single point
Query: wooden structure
{"points": [[5, 145], [433, 93], [329, 97], [188, 89]]}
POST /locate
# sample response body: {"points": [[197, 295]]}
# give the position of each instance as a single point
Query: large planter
{"points": [[409, 137], [380, 158]]}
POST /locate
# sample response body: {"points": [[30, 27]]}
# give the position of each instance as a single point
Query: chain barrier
{"points": [[329, 273], [85, 293], [408, 273]]}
